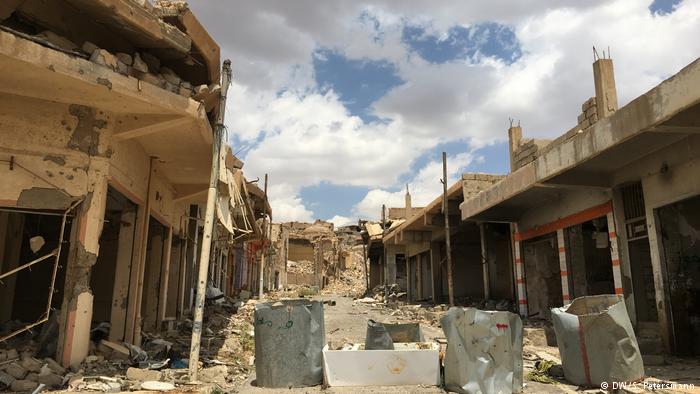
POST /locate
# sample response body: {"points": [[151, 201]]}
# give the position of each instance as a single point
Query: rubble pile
{"points": [[351, 281], [300, 267], [161, 363]]}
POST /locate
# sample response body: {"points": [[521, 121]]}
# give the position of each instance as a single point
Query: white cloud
{"points": [[340, 221], [309, 137]]}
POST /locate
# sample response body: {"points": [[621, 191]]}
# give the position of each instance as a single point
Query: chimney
{"points": [[605, 91], [515, 135], [408, 202]]}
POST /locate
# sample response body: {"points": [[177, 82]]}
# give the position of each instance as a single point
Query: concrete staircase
{"points": [[650, 343]]}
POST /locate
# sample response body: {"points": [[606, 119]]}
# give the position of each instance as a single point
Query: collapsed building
{"points": [[609, 207], [105, 155]]}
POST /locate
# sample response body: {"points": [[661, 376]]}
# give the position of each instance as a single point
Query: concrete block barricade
{"points": [[484, 351], [289, 339], [597, 342]]}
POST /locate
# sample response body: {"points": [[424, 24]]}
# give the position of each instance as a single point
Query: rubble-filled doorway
{"points": [[542, 274], [680, 235], [27, 236], [109, 279]]}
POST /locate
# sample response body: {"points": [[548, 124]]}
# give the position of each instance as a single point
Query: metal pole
{"points": [[445, 210], [208, 224], [384, 263], [262, 254]]}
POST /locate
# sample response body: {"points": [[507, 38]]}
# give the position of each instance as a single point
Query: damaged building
{"points": [[609, 207], [105, 156]]}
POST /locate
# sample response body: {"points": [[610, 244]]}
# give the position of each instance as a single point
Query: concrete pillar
{"points": [[519, 274], [76, 308], [164, 278], [562, 267], [625, 267], [614, 254], [515, 136], [133, 307], [605, 91], [120, 294], [663, 302], [391, 268]]}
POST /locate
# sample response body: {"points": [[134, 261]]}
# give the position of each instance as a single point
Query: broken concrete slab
{"points": [[157, 386], [23, 385], [16, 370], [143, 375], [216, 374], [125, 58]]}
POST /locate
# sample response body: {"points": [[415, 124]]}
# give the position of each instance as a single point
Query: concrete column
{"points": [[132, 310], [625, 267], [164, 278], [515, 136], [120, 294], [658, 259], [391, 268], [76, 308], [562, 267], [519, 274], [614, 254], [605, 91]]}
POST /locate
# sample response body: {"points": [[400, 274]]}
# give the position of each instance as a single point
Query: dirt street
{"points": [[346, 322]]}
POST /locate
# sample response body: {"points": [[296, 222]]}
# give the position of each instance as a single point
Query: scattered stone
{"points": [[16, 371], [157, 386], [216, 374], [125, 58], [152, 61], [30, 363], [103, 57], [23, 385], [142, 375], [139, 64], [50, 379], [89, 47], [170, 76], [58, 40], [153, 80], [6, 379], [556, 371], [56, 367]]}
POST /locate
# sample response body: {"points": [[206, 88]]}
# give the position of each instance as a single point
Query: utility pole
{"points": [[208, 224], [384, 262], [445, 210], [485, 261], [264, 235]]}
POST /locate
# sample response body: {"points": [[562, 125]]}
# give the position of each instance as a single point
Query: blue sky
{"points": [[345, 102]]}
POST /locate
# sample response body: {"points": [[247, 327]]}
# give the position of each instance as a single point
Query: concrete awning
{"points": [[591, 159], [173, 128]]}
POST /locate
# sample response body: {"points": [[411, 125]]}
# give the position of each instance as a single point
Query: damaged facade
{"points": [[105, 156], [609, 207]]}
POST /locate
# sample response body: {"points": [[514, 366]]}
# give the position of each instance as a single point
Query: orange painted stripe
{"points": [[584, 352], [518, 261], [520, 281], [568, 221], [8, 203], [562, 249], [522, 302], [618, 290], [566, 297], [564, 273], [612, 235], [616, 263]]}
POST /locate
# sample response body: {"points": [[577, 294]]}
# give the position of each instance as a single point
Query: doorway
{"points": [[543, 275]]}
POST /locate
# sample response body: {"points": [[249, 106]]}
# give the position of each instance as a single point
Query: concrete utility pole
{"points": [[446, 212], [208, 224], [262, 254]]}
